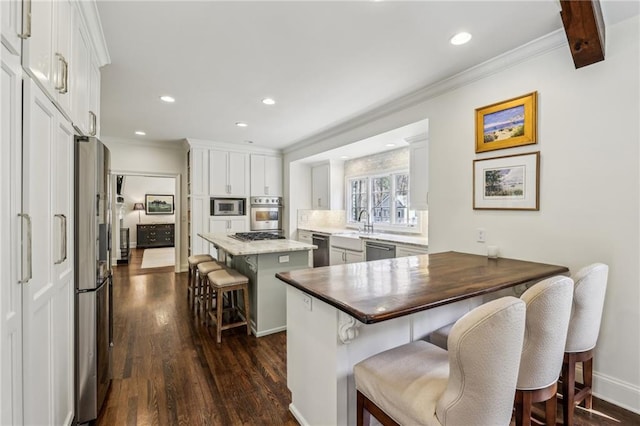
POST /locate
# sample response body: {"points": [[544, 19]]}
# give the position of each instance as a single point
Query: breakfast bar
{"points": [[340, 315]]}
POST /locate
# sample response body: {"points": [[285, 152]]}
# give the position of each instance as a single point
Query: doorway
{"points": [[129, 212]]}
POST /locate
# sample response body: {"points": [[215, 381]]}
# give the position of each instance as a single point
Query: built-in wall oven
{"points": [[266, 213]]}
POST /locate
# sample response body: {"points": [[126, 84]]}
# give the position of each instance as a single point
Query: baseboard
{"points": [[620, 393], [267, 332], [299, 417]]}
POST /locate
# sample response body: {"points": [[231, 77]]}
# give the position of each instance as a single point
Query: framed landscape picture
{"points": [[507, 124], [158, 204], [507, 183]]}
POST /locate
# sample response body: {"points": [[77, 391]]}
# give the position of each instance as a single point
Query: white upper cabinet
{"points": [[327, 186], [11, 25], [228, 172], [419, 173], [199, 173], [80, 83], [266, 175], [94, 98], [47, 46]]}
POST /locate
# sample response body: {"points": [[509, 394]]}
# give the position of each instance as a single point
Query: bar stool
{"points": [[223, 281], [201, 289], [194, 260]]}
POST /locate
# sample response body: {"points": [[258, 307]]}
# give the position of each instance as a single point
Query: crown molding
{"points": [[526, 52], [202, 143], [89, 12], [173, 145]]}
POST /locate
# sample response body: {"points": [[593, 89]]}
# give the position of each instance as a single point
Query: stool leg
{"points": [[219, 295], [587, 379], [568, 388], [247, 309], [550, 411]]}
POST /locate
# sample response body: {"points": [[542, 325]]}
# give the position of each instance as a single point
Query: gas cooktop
{"points": [[257, 236]]}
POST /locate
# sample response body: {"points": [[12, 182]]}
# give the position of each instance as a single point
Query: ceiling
{"points": [[323, 62]]}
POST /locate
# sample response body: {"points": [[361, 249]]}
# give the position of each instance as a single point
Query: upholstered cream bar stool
{"points": [[472, 384], [204, 297], [194, 260], [548, 311], [584, 326], [224, 281]]}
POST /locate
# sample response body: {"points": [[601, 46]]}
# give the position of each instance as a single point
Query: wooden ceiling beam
{"points": [[584, 26]]}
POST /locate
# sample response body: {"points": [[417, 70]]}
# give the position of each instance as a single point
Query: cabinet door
{"points": [[199, 171], [80, 81], [237, 225], [273, 176], [320, 187], [47, 307], [218, 161], [10, 227], [94, 98], [336, 256], [11, 25], [37, 54], [63, 28], [419, 175], [257, 171], [199, 224], [237, 173], [353, 256]]}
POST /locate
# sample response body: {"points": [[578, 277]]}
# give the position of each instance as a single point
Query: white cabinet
{"points": [[346, 250], [227, 225], [404, 251], [228, 173], [419, 173], [305, 236], [48, 296], [94, 98], [327, 186], [198, 223], [11, 25], [10, 225], [46, 54], [199, 171], [81, 59], [266, 175]]}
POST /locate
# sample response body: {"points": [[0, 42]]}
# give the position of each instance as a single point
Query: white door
{"points": [[237, 225], [273, 176], [237, 173], [11, 25], [353, 256], [199, 224], [79, 69], [47, 308], [320, 187], [38, 46], [10, 226], [199, 162], [218, 172], [336, 256], [257, 171]]}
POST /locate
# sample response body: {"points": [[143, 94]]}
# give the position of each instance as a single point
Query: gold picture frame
{"points": [[507, 124], [511, 182]]}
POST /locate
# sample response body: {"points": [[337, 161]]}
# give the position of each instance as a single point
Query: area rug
{"points": [[158, 257]]}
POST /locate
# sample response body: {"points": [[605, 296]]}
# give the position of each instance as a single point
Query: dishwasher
{"points": [[377, 251], [321, 254]]}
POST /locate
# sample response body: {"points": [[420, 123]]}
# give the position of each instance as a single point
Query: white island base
{"points": [[320, 365]]}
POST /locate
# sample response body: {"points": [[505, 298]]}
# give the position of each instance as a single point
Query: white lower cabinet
{"points": [[404, 251], [225, 225], [10, 226], [47, 296], [340, 256]]}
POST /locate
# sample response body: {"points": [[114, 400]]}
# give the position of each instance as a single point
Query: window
{"points": [[384, 197]]}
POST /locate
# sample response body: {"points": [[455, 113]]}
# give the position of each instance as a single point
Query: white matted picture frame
{"points": [[511, 182]]}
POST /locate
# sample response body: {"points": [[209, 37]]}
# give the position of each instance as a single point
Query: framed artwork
{"points": [[507, 124], [511, 182], [158, 204]]}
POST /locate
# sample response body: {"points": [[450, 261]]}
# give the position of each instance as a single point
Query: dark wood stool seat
{"points": [[224, 281], [194, 260]]}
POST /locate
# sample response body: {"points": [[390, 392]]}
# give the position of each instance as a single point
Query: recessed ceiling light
{"points": [[140, 133], [168, 99], [390, 144], [249, 141], [460, 38], [241, 124], [268, 101]]}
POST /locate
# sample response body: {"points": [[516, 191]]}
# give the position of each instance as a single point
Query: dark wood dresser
{"points": [[155, 235]]}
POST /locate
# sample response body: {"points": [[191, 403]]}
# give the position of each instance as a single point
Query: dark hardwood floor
{"points": [[168, 370]]}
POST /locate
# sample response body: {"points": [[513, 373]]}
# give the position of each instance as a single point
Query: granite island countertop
{"points": [[244, 248]]}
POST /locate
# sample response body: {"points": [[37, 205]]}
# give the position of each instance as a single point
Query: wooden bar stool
{"points": [[223, 281], [194, 260], [201, 288]]}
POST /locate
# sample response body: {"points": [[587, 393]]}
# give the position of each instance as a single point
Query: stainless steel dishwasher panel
{"points": [[377, 251], [321, 254]]}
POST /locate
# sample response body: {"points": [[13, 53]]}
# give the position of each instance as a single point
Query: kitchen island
{"points": [[260, 261], [340, 315]]}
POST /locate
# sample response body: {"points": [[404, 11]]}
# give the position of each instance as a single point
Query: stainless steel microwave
{"points": [[228, 207]]}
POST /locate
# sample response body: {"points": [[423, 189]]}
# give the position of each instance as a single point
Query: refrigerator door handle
{"points": [[26, 279], [63, 238]]}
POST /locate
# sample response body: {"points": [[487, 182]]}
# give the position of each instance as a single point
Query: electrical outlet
{"points": [[481, 235], [283, 259], [307, 301]]}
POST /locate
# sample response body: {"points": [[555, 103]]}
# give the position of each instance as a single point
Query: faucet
{"points": [[368, 226]]}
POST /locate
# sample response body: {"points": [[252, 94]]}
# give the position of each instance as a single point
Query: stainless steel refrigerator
{"points": [[93, 279]]}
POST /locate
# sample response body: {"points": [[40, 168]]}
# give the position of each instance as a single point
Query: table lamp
{"points": [[138, 207]]}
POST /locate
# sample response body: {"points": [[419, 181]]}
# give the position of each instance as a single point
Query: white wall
{"points": [[158, 159], [588, 137]]}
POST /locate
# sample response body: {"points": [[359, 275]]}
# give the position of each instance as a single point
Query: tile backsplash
{"points": [[322, 218]]}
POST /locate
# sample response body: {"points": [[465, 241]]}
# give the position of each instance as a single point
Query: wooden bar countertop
{"points": [[385, 289]]}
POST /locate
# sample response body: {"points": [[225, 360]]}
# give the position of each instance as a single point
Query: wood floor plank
{"points": [[168, 369]]}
